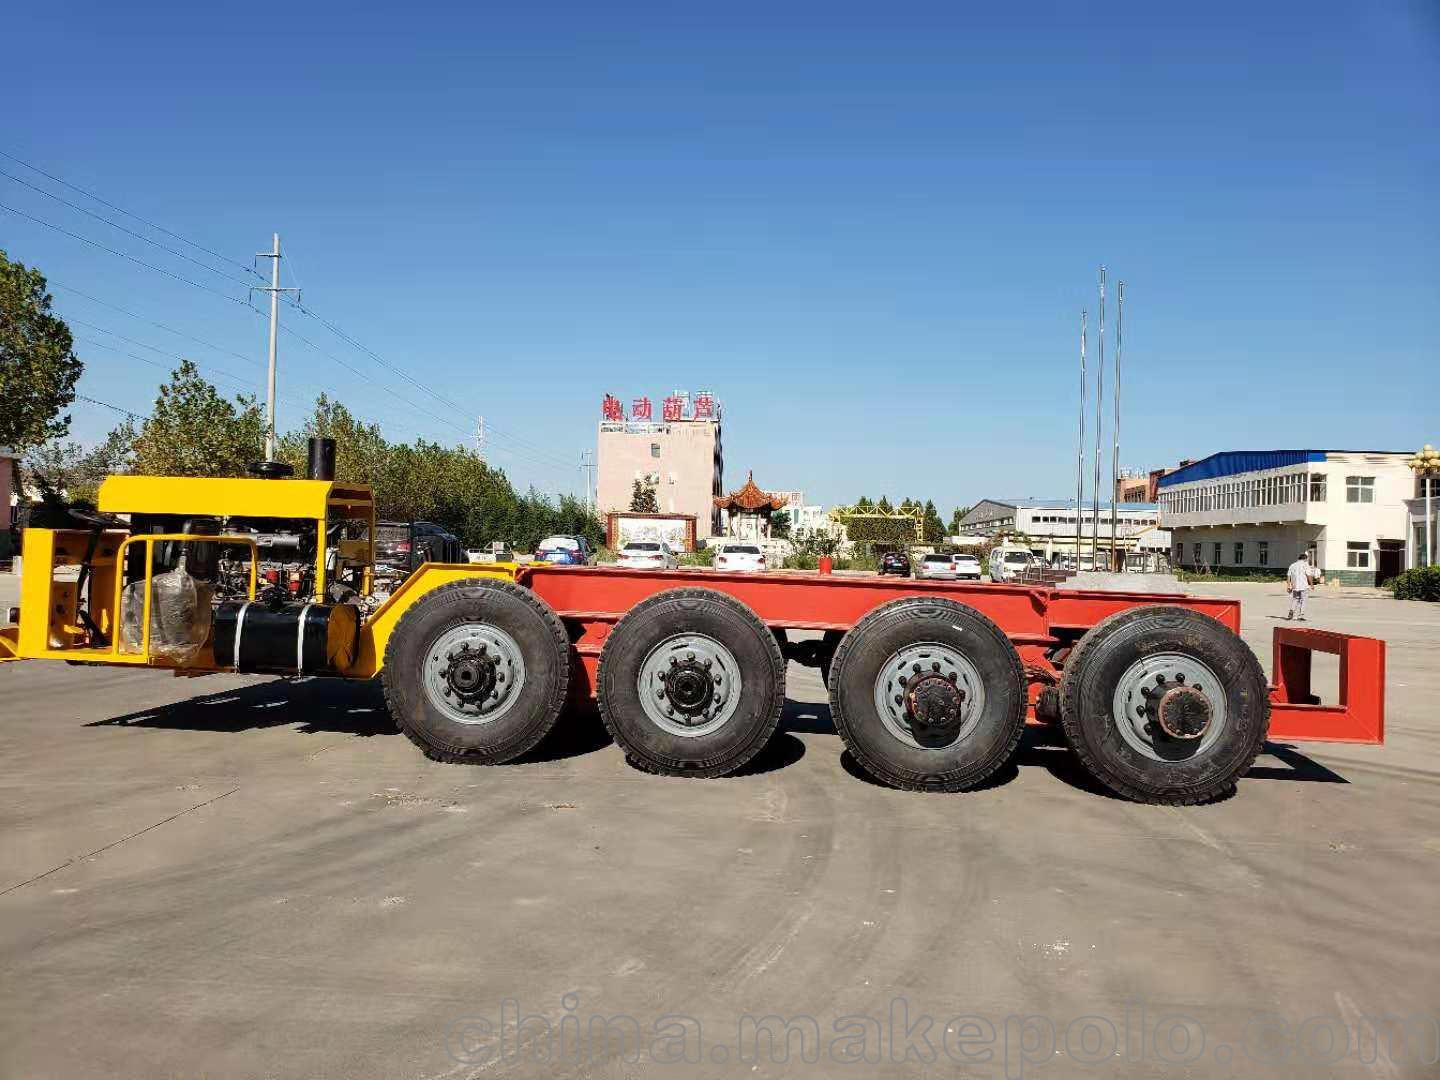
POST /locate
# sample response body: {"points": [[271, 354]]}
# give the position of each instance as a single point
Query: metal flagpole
{"points": [[1080, 448], [1099, 427], [1115, 453]]}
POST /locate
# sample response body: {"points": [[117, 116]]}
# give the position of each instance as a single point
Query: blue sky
{"points": [[869, 229]]}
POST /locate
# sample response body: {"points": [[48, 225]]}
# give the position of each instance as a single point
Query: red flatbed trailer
{"points": [[1140, 728]]}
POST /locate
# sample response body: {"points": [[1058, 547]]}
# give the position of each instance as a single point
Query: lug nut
{"points": [[899, 699], [708, 664], [660, 694], [935, 665], [674, 662], [915, 668], [1160, 680], [1180, 678], [689, 656]]}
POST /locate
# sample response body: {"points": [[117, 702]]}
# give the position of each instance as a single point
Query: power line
{"points": [[122, 228], [152, 322], [531, 451], [156, 349], [107, 405], [129, 214], [124, 255]]}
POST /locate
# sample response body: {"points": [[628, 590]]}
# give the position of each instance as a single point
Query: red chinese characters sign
{"points": [[672, 408]]}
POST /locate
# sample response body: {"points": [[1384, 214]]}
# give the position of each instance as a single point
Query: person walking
{"points": [[1298, 579]]}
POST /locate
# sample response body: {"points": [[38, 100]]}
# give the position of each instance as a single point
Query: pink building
{"points": [[681, 457]]}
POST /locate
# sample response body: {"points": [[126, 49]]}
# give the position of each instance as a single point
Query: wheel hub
{"points": [[934, 701], [689, 687], [1181, 711], [929, 695], [471, 673]]}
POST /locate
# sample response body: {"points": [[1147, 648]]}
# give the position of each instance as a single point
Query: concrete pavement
{"points": [[241, 877]]}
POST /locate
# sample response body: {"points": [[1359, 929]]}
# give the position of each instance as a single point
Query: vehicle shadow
{"points": [[312, 706], [335, 707], [1045, 748]]}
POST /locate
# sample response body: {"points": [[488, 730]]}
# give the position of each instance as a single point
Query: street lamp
{"points": [[1426, 466]]}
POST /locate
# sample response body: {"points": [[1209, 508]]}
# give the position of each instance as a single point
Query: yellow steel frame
{"points": [[313, 500], [376, 630]]}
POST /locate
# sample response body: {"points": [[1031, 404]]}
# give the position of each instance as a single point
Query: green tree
{"points": [[194, 431], [863, 504], [77, 471], [779, 526], [883, 506], [933, 526], [643, 500], [38, 365], [956, 519], [360, 448]]}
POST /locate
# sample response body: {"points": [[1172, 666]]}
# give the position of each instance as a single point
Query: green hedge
{"points": [[1422, 583]]}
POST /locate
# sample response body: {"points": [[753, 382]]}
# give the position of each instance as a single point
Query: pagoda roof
{"points": [[751, 499]]}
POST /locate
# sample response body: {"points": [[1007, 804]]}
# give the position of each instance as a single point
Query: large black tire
{"points": [[963, 752], [456, 609], [673, 634], [1194, 770]]}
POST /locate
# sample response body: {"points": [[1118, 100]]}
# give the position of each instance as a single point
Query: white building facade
{"points": [[1256, 511], [1050, 525]]}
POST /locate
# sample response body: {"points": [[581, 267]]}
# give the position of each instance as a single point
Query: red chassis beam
{"points": [[1038, 619]]}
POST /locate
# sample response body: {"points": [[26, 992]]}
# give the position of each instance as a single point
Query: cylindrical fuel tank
{"points": [[286, 639]]}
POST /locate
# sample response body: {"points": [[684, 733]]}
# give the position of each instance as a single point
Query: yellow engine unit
{"points": [[202, 575]]}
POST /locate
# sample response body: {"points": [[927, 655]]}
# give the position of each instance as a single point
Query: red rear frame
{"points": [[1042, 622]]}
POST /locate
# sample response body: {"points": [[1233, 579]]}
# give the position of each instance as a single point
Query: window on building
{"points": [[654, 449], [1239, 552], [1357, 555], [1197, 553], [1317, 487], [1360, 489], [1179, 552], [1262, 552], [1215, 551]]}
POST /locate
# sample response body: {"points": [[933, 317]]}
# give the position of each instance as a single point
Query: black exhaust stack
{"points": [[322, 459]]}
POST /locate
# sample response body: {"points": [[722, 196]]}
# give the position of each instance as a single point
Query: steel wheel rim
{"points": [[1138, 725], [928, 655], [448, 672], [669, 685]]}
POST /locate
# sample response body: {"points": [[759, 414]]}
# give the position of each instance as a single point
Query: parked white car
{"points": [[936, 565], [743, 557], [967, 567], [646, 555]]}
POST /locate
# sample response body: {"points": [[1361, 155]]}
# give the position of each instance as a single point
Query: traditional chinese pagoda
{"points": [[748, 511]]}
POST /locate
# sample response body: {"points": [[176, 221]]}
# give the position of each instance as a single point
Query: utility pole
{"points": [[480, 437], [1080, 448], [1115, 453], [1099, 426], [587, 471], [274, 290]]}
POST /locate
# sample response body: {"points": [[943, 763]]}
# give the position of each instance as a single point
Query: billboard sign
{"points": [[676, 407]]}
